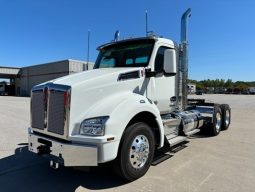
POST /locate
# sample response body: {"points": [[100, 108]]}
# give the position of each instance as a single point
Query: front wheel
{"points": [[135, 152]]}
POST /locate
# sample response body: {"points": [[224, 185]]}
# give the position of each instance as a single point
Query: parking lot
{"points": [[222, 163]]}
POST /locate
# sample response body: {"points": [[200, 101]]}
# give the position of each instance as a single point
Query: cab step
{"points": [[160, 158], [176, 140], [192, 132]]}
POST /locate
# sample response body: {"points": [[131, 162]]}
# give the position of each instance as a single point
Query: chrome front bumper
{"points": [[68, 154]]}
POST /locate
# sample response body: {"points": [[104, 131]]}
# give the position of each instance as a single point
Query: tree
{"points": [[237, 86], [228, 84]]}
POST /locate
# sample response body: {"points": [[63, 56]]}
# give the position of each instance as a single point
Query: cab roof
{"points": [[140, 39]]}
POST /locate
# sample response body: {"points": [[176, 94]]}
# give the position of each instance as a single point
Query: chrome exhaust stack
{"points": [[183, 68], [184, 25]]}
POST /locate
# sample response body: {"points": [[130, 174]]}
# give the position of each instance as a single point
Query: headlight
{"points": [[93, 126]]}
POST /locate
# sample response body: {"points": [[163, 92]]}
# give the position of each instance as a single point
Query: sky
{"points": [[221, 32]]}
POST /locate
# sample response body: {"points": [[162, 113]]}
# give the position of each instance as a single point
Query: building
{"points": [[23, 79], [191, 88], [11, 74]]}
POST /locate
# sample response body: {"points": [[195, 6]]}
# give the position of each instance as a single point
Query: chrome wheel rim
{"points": [[139, 151], [227, 120], [218, 122]]}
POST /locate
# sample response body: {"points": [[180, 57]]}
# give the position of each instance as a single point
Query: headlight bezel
{"points": [[94, 126]]}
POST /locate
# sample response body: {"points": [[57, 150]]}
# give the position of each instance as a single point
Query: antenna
{"points": [[146, 23], [116, 35], [88, 49]]}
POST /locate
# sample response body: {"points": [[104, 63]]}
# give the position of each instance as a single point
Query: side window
{"points": [[129, 61], [143, 60], [107, 62], [159, 61], [137, 61]]}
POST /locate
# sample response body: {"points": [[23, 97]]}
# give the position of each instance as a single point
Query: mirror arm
{"points": [[149, 73], [169, 74]]}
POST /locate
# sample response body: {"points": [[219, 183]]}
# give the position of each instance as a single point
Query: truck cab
{"points": [[145, 55], [133, 103], [123, 86]]}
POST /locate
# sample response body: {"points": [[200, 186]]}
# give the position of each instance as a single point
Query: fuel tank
{"points": [[190, 120]]}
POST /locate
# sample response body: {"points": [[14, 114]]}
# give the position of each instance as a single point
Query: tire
{"points": [[132, 164], [226, 116], [217, 121]]}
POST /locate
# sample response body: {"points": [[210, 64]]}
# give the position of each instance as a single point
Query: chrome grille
{"points": [[37, 110], [50, 105], [56, 113]]}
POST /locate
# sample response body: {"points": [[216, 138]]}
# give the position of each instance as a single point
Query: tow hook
{"points": [[54, 164]]}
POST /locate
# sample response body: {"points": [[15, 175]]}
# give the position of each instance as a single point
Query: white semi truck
{"points": [[131, 105]]}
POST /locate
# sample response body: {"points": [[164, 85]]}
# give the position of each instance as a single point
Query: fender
{"points": [[121, 108], [130, 107]]}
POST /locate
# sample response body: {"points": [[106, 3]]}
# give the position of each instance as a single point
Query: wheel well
{"points": [[149, 119]]}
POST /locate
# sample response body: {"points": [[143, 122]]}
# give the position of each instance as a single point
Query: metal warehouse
{"points": [[23, 79]]}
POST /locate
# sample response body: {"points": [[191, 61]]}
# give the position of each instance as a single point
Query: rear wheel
{"points": [[217, 121], [226, 116], [136, 152]]}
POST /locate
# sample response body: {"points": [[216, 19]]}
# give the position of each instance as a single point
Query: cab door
{"points": [[164, 86]]}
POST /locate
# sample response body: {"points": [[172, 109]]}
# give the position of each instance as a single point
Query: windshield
{"points": [[127, 54]]}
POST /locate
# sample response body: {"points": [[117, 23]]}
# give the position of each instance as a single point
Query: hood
{"points": [[96, 76], [98, 92]]}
